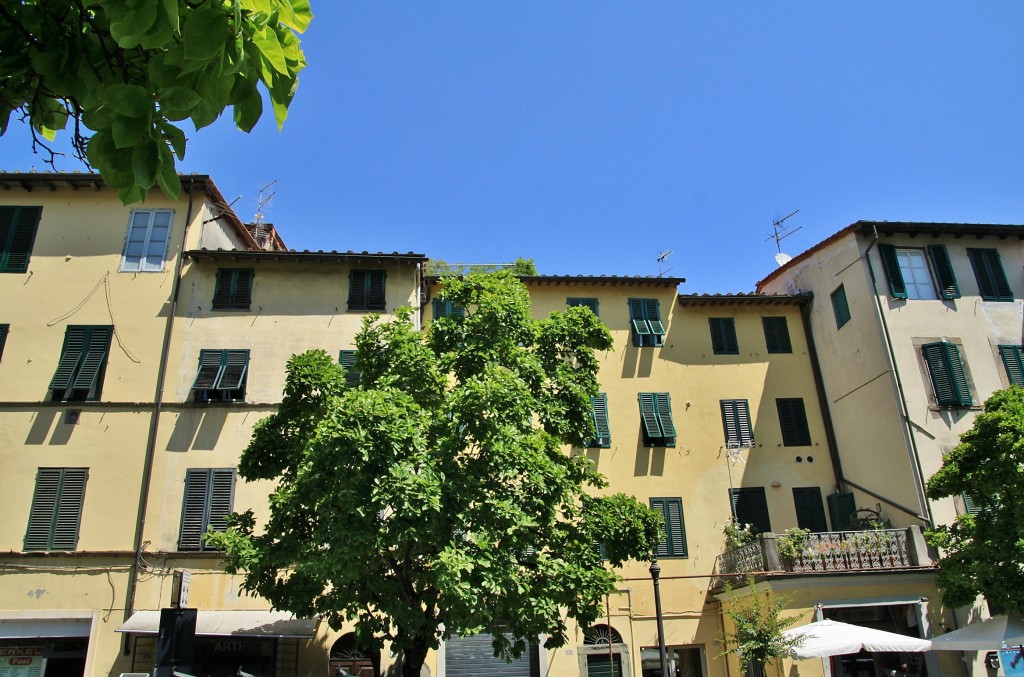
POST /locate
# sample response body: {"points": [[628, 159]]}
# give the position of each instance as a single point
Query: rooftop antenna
{"points": [[263, 201], [780, 233], [662, 257]]}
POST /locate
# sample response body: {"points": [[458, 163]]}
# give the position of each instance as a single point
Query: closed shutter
{"points": [[949, 381], [776, 335], [18, 227], [988, 270], [357, 290], [241, 294], [750, 506], [69, 509], [233, 290], [897, 287], [375, 293], [599, 414], [723, 335], [674, 544], [222, 494], [948, 288], [736, 422], [601, 665], [366, 290], [4, 330], [585, 302], [194, 509], [222, 290], [44, 506], [810, 511], [56, 512], [474, 657], [841, 509], [347, 359], [1013, 363], [793, 421]]}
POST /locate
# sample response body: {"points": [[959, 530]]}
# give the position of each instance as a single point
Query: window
{"points": [[671, 510], [5, 329], [588, 303], [907, 272], [949, 382], [988, 270], [776, 335], [83, 363], [56, 512], [445, 308], [970, 508], [645, 319], [723, 336], [233, 290], [749, 506], [222, 375], [793, 421], [366, 290], [347, 359], [209, 496], [840, 307], [736, 421], [656, 420], [599, 415], [810, 511], [1011, 355], [18, 227], [146, 244]]}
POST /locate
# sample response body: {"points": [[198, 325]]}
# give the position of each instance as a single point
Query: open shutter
{"points": [[648, 415], [664, 408], [95, 357], [347, 359], [750, 506], [897, 287], [1012, 360], [948, 288], [637, 317], [653, 316], [969, 506], [236, 363], [375, 291], [599, 412], [69, 509], [18, 227], [44, 507], [4, 330], [810, 511], [194, 512], [209, 369], [222, 493], [71, 354]]}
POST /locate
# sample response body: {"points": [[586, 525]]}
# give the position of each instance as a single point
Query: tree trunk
{"points": [[413, 657]]}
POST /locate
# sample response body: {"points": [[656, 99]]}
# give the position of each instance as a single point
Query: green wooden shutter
{"points": [[210, 366], [793, 421], [664, 408], [5, 329], [810, 511], [970, 507], [840, 307], [736, 423], [222, 493], [1012, 361], [347, 359], [750, 506], [638, 317], [357, 292], [988, 269], [897, 287], [948, 288], [723, 335], [603, 665], [440, 309], [674, 543], [70, 356], [585, 302], [236, 364], [56, 512], [776, 335], [222, 289], [599, 415], [194, 510], [652, 313], [44, 507], [95, 357], [18, 227], [375, 297], [948, 378], [841, 509], [649, 415], [241, 292]]}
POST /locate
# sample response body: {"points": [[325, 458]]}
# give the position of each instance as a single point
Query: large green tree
{"points": [[129, 70], [433, 497], [982, 552]]}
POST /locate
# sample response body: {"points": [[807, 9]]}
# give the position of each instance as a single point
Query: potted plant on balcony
{"points": [[792, 544], [737, 535]]}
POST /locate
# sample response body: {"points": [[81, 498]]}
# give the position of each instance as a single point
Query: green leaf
{"points": [[296, 14], [270, 48], [175, 137], [167, 175], [131, 194], [129, 100], [130, 25], [98, 118], [206, 30], [179, 99], [248, 110], [128, 131], [145, 162], [170, 11]]}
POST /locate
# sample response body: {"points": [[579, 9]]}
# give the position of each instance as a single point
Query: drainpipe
{"points": [[908, 431], [819, 386], [154, 423]]}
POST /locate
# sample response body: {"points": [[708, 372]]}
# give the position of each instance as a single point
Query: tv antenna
{"points": [[662, 257], [263, 201], [779, 233]]}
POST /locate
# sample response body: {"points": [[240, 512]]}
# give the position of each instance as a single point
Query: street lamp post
{"points": [[656, 579]]}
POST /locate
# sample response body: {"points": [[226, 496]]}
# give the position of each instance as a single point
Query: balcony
{"points": [[829, 552]]}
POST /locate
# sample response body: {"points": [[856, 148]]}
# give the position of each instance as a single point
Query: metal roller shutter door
{"points": [[474, 657]]}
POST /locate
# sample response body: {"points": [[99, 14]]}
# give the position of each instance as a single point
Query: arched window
{"points": [[348, 658], [602, 634]]}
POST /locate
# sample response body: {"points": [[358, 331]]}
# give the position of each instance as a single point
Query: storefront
{"points": [[44, 644]]}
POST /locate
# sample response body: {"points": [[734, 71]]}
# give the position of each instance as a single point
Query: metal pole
{"points": [[655, 578]]}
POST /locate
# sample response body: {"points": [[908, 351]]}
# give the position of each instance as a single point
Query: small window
{"points": [[83, 364], [674, 544], [723, 336], [840, 307], [1012, 362], [5, 329], [645, 320], [145, 246], [56, 514], [366, 290], [347, 359], [599, 417], [736, 421], [209, 497], [776, 335], [988, 269], [749, 506], [18, 226], [222, 375], [793, 421], [585, 302], [949, 381], [656, 420], [810, 510], [445, 308], [233, 290]]}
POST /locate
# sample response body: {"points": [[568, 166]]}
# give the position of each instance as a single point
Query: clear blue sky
{"points": [[594, 135]]}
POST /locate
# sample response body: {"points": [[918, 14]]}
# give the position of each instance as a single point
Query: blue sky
{"points": [[591, 136]]}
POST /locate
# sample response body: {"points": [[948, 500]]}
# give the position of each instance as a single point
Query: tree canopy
{"points": [[128, 70], [982, 552], [432, 496]]}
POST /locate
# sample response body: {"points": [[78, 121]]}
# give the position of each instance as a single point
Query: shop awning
{"points": [[231, 624], [30, 625], [832, 638]]}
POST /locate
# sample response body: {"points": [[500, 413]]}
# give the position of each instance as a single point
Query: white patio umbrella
{"points": [[987, 635], [832, 638]]}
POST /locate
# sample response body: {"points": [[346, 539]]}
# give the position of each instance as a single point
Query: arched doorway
{"points": [[348, 658], [603, 653]]}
